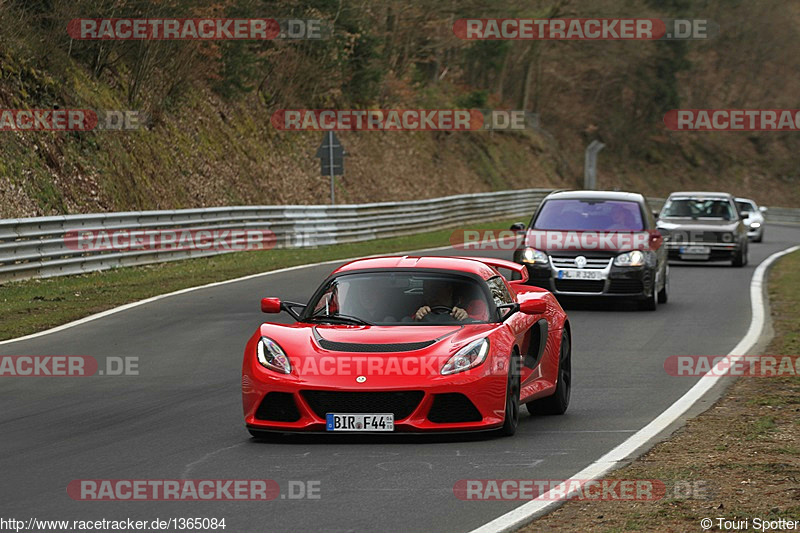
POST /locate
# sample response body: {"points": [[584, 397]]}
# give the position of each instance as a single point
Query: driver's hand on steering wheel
{"points": [[458, 313], [421, 312]]}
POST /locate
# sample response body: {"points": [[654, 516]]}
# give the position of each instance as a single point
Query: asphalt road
{"points": [[181, 417]]}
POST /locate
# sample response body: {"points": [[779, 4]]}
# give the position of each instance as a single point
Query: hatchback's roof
{"points": [[596, 195]]}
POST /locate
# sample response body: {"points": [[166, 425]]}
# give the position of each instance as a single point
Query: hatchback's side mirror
{"points": [[517, 226], [763, 209], [270, 305]]}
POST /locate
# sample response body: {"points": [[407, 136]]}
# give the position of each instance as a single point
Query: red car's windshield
{"points": [[395, 298]]}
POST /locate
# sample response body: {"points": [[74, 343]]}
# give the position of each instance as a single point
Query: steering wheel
{"points": [[444, 312], [439, 312]]}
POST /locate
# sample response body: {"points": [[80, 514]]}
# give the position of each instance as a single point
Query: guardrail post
{"points": [[590, 164]]}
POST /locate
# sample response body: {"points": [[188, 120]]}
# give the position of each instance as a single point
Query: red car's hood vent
{"points": [[376, 347]]}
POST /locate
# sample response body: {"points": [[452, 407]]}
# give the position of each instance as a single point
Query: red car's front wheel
{"points": [[557, 403], [512, 397]]}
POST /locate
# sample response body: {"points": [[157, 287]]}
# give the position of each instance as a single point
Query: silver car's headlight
{"points": [[470, 356], [630, 259], [533, 256], [272, 356]]}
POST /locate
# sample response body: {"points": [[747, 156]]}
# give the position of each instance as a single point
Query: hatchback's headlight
{"points": [[272, 356], [630, 259], [755, 225], [532, 255], [467, 357]]}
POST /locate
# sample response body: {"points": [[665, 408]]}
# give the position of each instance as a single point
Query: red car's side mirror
{"points": [[656, 239], [270, 305], [533, 307]]}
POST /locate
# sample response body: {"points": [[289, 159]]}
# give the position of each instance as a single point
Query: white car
{"points": [[753, 218]]}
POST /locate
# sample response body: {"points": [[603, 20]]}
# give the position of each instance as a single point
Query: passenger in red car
{"points": [[370, 301]]}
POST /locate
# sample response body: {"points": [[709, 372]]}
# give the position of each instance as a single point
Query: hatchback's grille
{"points": [[579, 285], [626, 286], [400, 403]]}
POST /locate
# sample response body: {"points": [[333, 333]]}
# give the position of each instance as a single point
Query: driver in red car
{"points": [[441, 293]]}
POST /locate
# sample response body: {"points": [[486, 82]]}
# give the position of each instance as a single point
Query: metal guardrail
{"points": [[37, 248], [786, 215]]}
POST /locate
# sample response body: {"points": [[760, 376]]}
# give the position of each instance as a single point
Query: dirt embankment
{"points": [[209, 141]]}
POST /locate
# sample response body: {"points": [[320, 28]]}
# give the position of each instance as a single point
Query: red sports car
{"points": [[409, 344]]}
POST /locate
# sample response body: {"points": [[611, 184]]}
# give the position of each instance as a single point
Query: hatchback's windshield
{"points": [[589, 215], [745, 207], [699, 208], [394, 298]]}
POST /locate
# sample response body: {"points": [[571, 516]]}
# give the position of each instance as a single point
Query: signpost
{"points": [[590, 164], [331, 154]]}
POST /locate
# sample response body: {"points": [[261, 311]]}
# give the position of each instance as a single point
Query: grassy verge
{"points": [[34, 305], [738, 460]]}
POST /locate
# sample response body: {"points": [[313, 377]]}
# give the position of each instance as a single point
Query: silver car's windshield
{"points": [[699, 208]]}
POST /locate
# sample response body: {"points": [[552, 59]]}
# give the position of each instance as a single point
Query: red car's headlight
{"points": [[272, 356], [467, 357]]}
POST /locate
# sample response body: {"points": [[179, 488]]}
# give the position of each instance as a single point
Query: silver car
{"points": [[704, 226]]}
